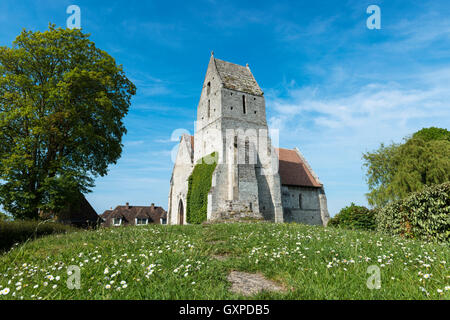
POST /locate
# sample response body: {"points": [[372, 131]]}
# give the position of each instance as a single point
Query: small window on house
{"points": [[208, 88], [141, 222], [300, 204], [117, 222], [243, 105]]}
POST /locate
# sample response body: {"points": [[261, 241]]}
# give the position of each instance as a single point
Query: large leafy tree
{"points": [[62, 105], [396, 170]]}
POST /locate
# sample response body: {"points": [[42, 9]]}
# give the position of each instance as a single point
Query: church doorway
{"points": [[181, 213]]}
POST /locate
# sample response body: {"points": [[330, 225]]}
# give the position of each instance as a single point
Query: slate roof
{"points": [[294, 171], [236, 77]]}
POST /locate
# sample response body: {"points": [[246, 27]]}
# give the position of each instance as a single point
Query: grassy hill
{"points": [[174, 262]]}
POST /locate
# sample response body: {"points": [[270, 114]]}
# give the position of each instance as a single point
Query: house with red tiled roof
{"points": [[302, 193], [252, 179], [134, 216]]}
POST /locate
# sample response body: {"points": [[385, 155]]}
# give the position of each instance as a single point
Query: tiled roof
{"points": [[236, 77], [129, 213], [293, 170]]}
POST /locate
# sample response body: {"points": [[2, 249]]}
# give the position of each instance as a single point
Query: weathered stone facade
{"points": [[231, 120]]}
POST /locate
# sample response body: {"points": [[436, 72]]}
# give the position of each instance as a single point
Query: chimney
{"points": [[128, 205]]}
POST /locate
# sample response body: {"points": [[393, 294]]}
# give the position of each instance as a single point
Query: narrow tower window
{"points": [[300, 205], [247, 151], [243, 105], [209, 108], [208, 89]]}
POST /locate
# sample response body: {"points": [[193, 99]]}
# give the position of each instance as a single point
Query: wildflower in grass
{"points": [[106, 271], [108, 287], [55, 286]]}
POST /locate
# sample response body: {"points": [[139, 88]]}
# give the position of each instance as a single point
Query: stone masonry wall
{"points": [[309, 212]]}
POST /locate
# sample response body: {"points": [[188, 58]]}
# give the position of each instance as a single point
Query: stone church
{"points": [[251, 178]]}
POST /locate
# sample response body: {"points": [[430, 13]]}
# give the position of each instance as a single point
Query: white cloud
{"points": [[369, 107], [333, 130]]}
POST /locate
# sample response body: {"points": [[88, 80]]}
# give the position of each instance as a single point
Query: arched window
{"points": [[180, 213]]}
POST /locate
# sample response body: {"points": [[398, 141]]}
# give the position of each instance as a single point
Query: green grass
{"points": [[174, 262]]}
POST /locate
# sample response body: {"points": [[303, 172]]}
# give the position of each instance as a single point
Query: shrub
{"points": [[199, 187], [355, 217], [423, 215], [21, 231]]}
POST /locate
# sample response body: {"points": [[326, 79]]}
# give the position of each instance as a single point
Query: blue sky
{"points": [[334, 88]]}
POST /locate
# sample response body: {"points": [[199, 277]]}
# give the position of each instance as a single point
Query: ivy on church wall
{"points": [[199, 186]]}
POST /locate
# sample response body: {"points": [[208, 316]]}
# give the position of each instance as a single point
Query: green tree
{"points": [[429, 134], [355, 217], [4, 217], [62, 104], [395, 171]]}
